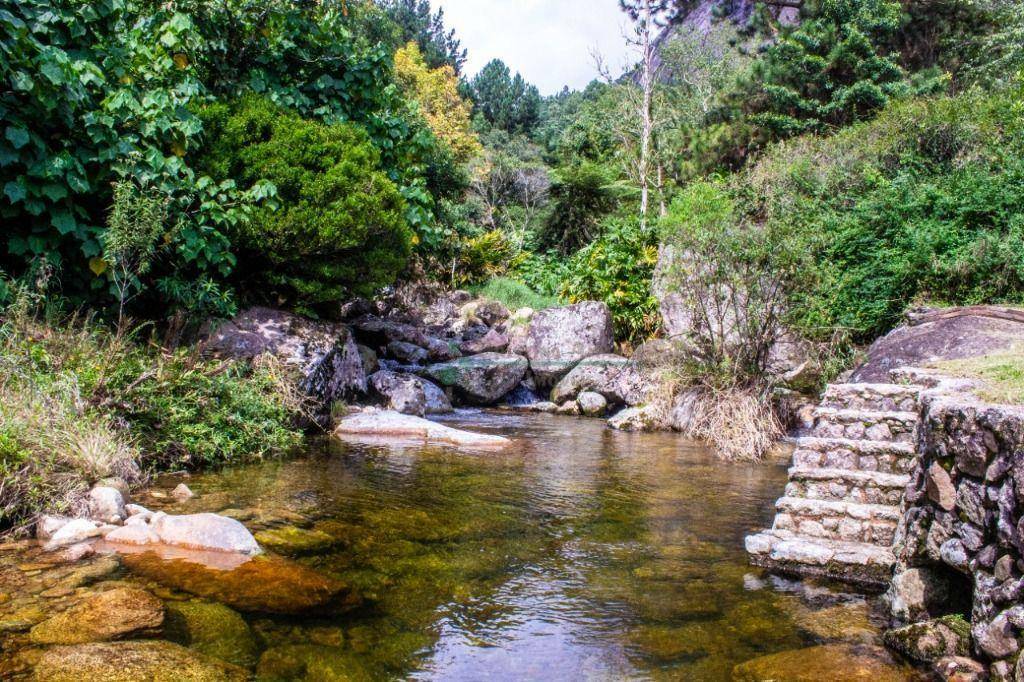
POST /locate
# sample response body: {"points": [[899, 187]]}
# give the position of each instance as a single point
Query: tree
{"points": [[506, 102], [417, 22], [437, 93], [649, 17]]}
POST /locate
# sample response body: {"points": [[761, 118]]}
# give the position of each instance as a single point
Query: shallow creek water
{"points": [[578, 553]]}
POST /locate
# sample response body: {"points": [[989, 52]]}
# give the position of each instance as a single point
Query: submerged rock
{"points": [[932, 640], [410, 394], [560, 337], [263, 584], [154, 661], [122, 613], [295, 541], [481, 379], [310, 662], [213, 630], [637, 419], [833, 662], [385, 426]]}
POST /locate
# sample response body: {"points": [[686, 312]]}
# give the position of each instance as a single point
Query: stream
{"points": [[577, 553]]}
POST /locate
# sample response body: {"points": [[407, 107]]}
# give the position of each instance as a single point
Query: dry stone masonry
{"points": [[841, 508]]}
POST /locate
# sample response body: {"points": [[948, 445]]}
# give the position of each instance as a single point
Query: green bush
{"points": [[514, 295], [925, 203], [582, 194], [337, 228], [618, 269]]}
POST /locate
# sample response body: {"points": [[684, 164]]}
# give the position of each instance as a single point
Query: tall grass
{"points": [[514, 295], [80, 403]]}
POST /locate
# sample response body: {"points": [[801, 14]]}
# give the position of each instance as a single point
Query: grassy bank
{"points": [[79, 403], [1000, 375]]}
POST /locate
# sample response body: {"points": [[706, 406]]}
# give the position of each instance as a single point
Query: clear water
{"points": [[578, 553]]}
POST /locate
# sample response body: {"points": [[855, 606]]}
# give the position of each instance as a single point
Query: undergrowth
{"points": [[514, 295]]}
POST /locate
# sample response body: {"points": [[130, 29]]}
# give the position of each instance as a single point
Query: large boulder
{"points": [[387, 426], [481, 379], [619, 380], [121, 613], [946, 334], [560, 337], [490, 342], [325, 354], [156, 661], [932, 640], [409, 394]]}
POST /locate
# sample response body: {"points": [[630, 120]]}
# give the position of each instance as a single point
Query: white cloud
{"points": [[548, 41]]}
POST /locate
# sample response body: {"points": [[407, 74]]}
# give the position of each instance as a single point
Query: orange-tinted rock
{"points": [[155, 661], [263, 584], [117, 614], [833, 662]]}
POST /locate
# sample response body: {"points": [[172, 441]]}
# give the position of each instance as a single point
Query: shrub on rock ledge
{"points": [[338, 227]]}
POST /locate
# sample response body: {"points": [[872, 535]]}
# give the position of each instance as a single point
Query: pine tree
{"points": [[506, 102]]}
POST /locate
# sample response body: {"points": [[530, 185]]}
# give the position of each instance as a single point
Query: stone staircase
{"points": [[842, 503]]}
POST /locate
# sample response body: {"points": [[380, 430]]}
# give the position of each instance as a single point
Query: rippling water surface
{"points": [[579, 553]]}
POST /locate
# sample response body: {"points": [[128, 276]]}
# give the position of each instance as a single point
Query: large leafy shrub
{"points": [[617, 268], [338, 226]]}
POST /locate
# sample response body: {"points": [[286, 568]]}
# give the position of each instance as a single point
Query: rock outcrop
{"points": [[559, 338], [325, 354], [944, 334]]}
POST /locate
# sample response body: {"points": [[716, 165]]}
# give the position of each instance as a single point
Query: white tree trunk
{"points": [[646, 123]]}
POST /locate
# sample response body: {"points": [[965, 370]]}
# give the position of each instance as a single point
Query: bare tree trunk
{"points": [[646, 26]]}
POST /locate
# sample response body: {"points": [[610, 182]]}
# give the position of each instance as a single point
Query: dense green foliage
{"points": [[505, 101], [514, 294], [338, 228], [926, 203]]}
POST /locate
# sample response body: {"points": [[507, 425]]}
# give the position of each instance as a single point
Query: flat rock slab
{"points": [[205, 532], [155, 661], [386, 426], [968, 335]]}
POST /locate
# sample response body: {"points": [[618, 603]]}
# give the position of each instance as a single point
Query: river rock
{"points": [[929, 641], [833, 662], [205, 532], [182, 493], [592, 404], [560, 337], [517, 329], [325, 354], [121, 613], [637, 419], [213, 630], [384, 426], [47, 525], [133, 534], [106, 504], [153, 661], [406, 352], [491, 342], [613, 376], [71, 533], [409, 394], [481, 379], [264, 584], [963, 669]]}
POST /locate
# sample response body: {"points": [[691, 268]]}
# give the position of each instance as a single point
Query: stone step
{"points": [[853, 562], [855, 455], [877, 397], [831, 422], [863, 487], [837, 520]]}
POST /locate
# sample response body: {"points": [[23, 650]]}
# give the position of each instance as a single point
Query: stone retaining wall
{"points": [[961, 536]]}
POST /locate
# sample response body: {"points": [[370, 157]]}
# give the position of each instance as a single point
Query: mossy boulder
{"points": [[121, 613], [310, 662], [833, 662], [213, 630], [154, 661], [932, 640], [295, 541]]}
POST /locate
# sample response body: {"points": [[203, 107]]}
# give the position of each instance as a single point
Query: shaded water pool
{"points": [[578, 553]]}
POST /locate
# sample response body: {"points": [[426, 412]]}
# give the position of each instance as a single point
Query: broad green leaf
{"points": [[18, 137], [15, 191]]}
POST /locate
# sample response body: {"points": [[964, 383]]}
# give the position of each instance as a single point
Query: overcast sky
{"points": [[548, 41]]}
